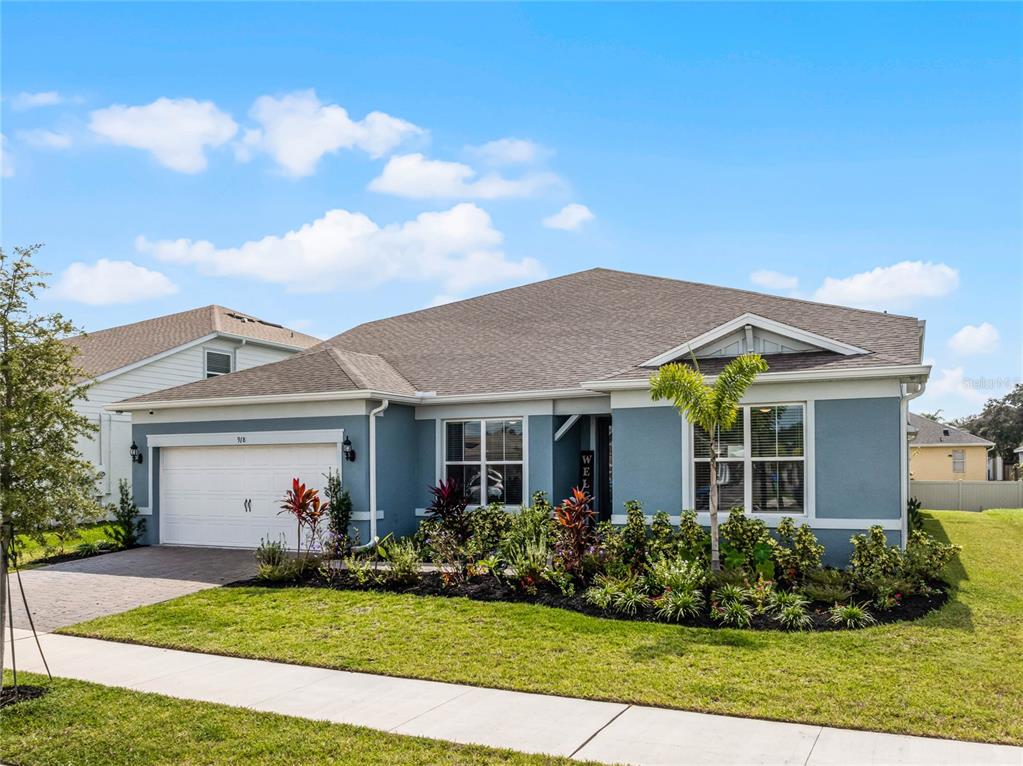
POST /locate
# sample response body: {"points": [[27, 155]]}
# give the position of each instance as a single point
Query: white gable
{"points": [[750, 333]]}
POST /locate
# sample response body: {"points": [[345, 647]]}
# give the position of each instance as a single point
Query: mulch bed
{"points": [[21, 693], [490, 588]]}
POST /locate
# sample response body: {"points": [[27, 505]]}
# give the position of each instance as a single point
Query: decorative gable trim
{"points": [[763, 323]]}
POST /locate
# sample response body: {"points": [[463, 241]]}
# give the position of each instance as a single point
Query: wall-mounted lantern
{"points": [[136, 453], [347, 450]]}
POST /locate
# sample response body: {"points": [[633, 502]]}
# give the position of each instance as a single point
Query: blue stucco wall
{"points": [[566, 458], [647, 459], [541, 455], [426, 461], [355, 475], [397, 464], [857, 445]]}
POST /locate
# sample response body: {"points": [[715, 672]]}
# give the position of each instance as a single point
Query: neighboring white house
{"points": [[159, 353]]}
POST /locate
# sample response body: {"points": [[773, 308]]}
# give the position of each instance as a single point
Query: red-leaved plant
{"points": [[305, 505], [448, 508], [574, 519]]}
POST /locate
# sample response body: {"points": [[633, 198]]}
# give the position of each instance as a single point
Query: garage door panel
{"points": [[203, 491]]}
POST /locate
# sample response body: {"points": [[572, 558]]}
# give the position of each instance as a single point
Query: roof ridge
{"points": [[217, 324], [354, 375]]}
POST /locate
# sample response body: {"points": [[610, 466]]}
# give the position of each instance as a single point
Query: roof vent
{"points": [[944, 432]]}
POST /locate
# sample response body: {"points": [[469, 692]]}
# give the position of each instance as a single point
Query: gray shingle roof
{"points": [[929, 432], [591, 325], [107, 350]]}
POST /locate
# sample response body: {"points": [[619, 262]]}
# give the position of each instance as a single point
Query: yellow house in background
{"points": [[944, 453]]}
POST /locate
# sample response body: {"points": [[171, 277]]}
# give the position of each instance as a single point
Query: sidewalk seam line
{"points": [[590, 738], [438, 705], [809, 755]]}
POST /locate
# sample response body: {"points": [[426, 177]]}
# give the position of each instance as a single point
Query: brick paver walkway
{"points": [[64, 594]]}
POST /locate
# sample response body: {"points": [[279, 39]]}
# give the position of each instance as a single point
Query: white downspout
{"points": [[904, 400], [373, 468]]}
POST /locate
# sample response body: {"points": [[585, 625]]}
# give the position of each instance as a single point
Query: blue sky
{"points": [[860, 154]]}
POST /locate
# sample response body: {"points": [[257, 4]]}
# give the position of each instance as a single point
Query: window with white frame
{"points": [[958, 461], [761, 462], [486, 458], [217, 363]]}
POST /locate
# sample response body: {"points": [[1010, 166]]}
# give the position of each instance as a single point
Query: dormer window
{"points": [[218, 363]]}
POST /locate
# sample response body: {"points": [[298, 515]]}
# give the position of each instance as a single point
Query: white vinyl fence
{"points": [[967, 495]]}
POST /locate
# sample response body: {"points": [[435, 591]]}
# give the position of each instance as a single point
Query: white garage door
{"points": [[230, 496]]}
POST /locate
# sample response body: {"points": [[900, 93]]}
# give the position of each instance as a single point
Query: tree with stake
{"points": [[42, 474], [713, 407]]}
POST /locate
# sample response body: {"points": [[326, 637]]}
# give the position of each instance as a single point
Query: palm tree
{"points": [[712, 407]]}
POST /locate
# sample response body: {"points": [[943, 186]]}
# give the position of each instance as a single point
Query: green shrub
{"points": [[560, 579], [872, 556], [630, 600], [793, 617], [827, 586], [693, 540], [677, 605], [128, 526], [87, 549], [339, 515], [623, 595], [730, 593], [362, 570], [675, 574], [797, 551], [530, 560], [850, 616], [916, 519], [744, 533], [288, 571], [271, 552], [782, 600], [732, 613], [634, 535], [486, 527], [402, 557], [532, 525], [926, 557], [663, 542]]}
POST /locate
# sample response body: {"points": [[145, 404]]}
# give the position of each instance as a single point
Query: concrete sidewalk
{"points": [[534, 723]]}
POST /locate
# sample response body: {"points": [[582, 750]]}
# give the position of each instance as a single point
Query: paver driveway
{"points": [[64, 594]]}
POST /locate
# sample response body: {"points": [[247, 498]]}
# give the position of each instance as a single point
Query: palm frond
{"points": [[731, 384], [684, 387]]}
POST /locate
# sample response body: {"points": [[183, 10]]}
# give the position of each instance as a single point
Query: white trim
{"points": [[566, 427], [854, 373], [146, 511], [364, 515], [770, 325], [985, 445], [245, 340], [772, 519], [246, 438], [229, 353], [881, 388], [224, 401]]}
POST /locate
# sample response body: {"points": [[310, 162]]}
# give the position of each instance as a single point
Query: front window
{"points": [[217, 363], [958, 461], [761, 462], [486, 458]]}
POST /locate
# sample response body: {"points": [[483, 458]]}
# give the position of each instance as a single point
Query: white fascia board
{"points": [[245, 339], [780, 328], [855, 373], [945, 445], [505, 396], [227, 401], [248, 438], [154, 358]]}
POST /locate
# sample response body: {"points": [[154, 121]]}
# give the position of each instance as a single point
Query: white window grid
{"points": [[482, 462]]}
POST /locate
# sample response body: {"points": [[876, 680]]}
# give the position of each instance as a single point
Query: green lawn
{"points": [[86, 724], [31, 551], [956, 673]]}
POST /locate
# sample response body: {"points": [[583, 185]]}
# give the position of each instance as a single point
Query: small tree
{"points": [[712, 407], [128, 525], [43, 478], [339, 515]]}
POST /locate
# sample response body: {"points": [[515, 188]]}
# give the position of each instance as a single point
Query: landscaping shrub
{"points": [[573, 531], [793, 617], [528, 534], [693, 539], [273, 564], [675, 574], [128, 526], [926, 557], [916, 519], [304, 504], [487, 525], [732, 613], [448, 509], [678, 605], [633, 536], [663, 541], [403, 559], [797, 552], [827, 586], [850, 616], [339, 516], [748, 544]]}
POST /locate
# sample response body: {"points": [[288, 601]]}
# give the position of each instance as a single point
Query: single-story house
{"points": [[139, 358], [939, 452], [525, 389]]}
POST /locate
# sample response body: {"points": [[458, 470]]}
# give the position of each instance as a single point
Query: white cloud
{"points": [[176, 131], [23, 101], [414, 176], [954, 383], [45, 139], [458, 248], [297, 130], [105, 282], [774, 280], [508, 151], [6, 161], [890, 287], [975, 339], [569, 218]]}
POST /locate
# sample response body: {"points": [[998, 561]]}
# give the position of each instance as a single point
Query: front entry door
{"points": [[605, 462]]}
